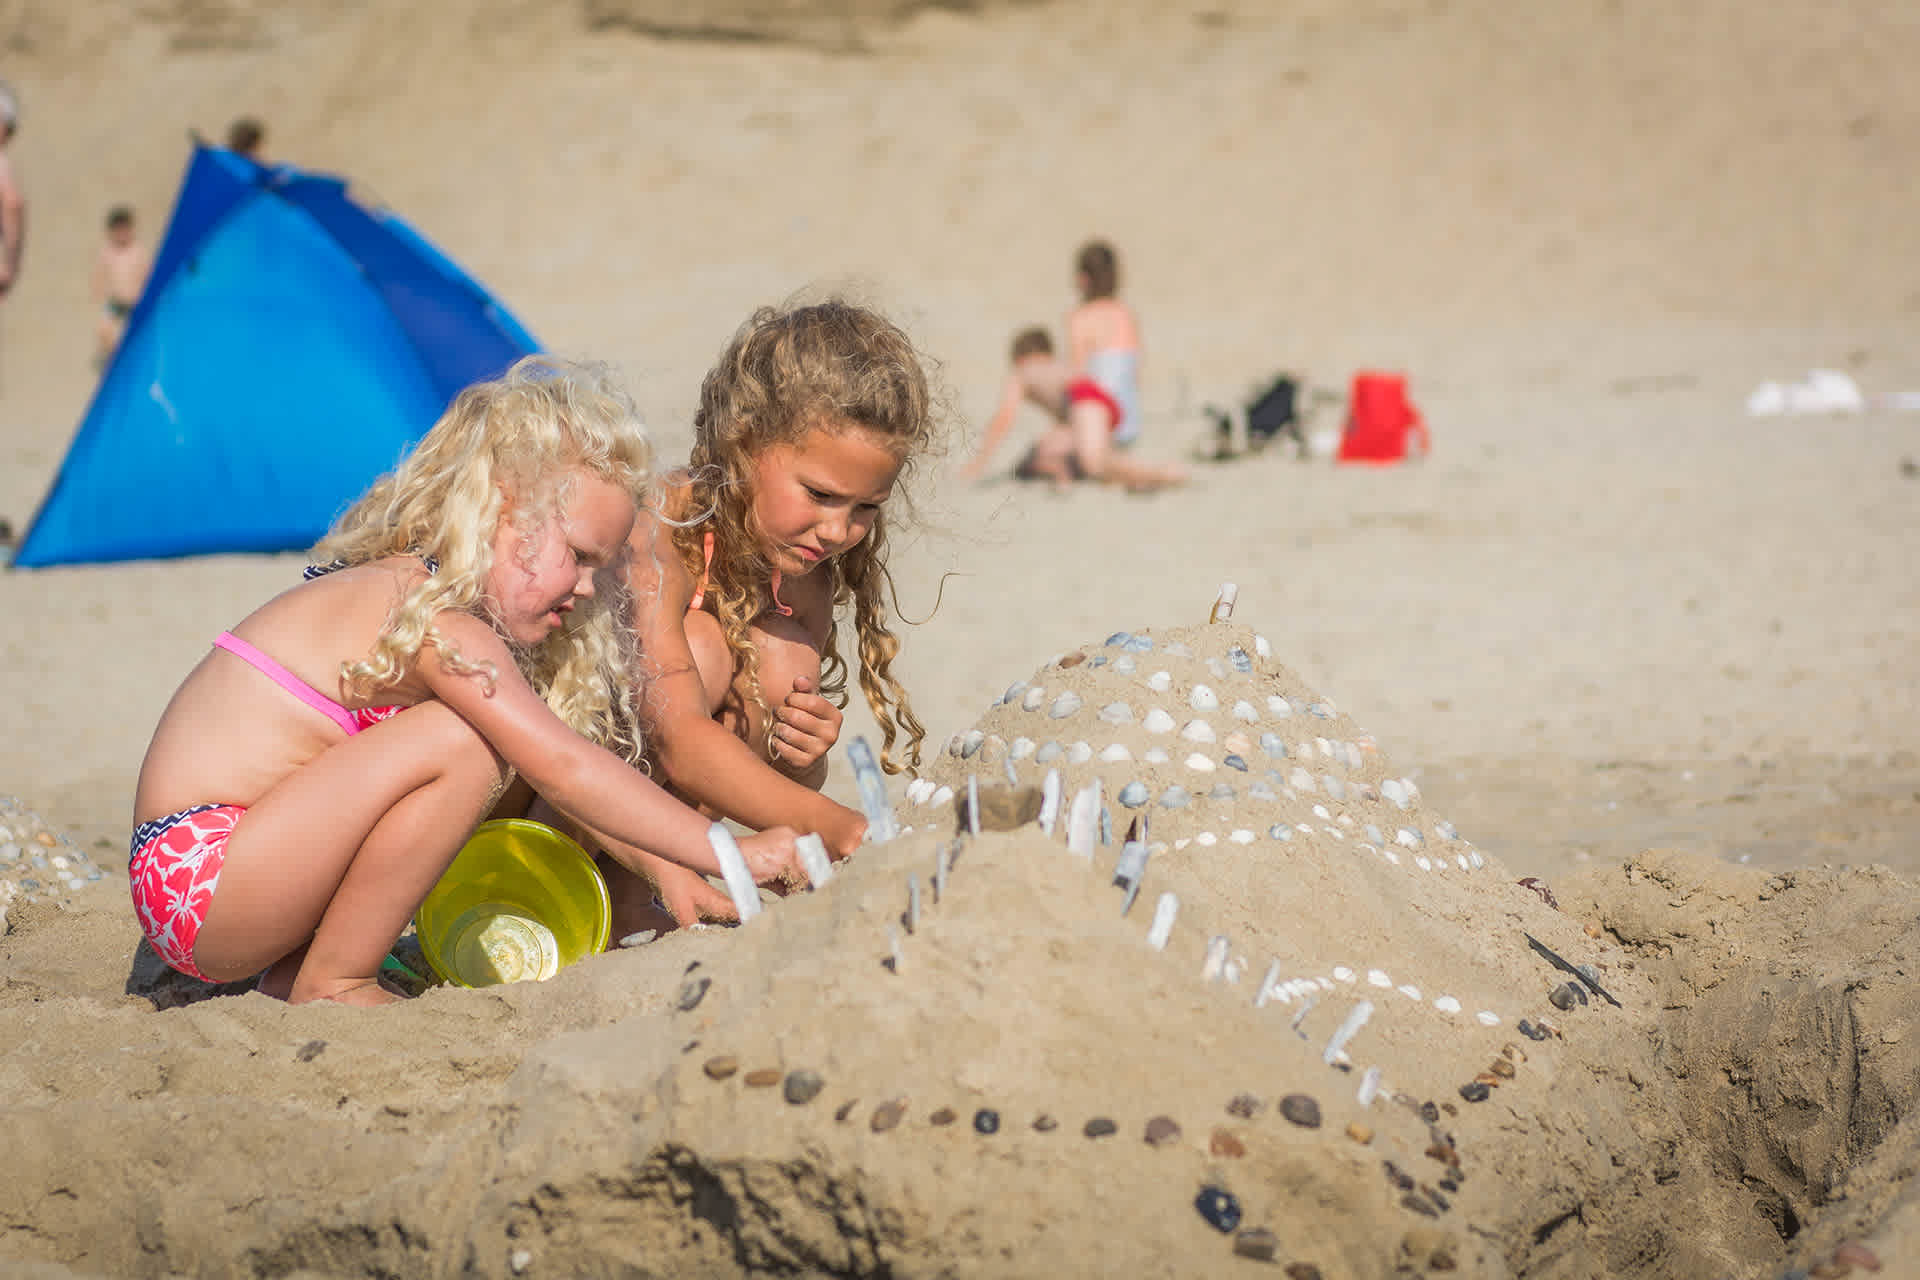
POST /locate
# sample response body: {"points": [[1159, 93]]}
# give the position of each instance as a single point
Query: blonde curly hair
{"points": [[788, 370], [520, 435]]}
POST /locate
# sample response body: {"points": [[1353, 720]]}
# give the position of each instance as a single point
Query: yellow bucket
{"points": [[520, 903]]}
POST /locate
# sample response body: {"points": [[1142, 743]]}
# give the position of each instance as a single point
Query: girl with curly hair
{"points": [[756, 560], [319, 769]]}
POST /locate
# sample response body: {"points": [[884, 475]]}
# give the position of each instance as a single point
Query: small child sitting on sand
{"points": [[1079, 445], [745, 572], [322, 765]]}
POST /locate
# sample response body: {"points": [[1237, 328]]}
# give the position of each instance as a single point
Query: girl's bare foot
{"points": [[352, 991]]}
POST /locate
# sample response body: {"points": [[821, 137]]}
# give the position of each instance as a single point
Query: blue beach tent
{"points": [[291, 345]]}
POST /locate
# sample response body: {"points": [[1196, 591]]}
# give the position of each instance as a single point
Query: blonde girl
{"points": [[320, 767], [759, 560]]}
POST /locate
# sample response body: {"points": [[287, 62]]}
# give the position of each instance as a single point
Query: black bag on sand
{"points": [[1271, 413], [1275, 412]]}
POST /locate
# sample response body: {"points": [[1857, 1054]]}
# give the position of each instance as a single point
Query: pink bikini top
{"points": [[700, 592], [352, 721]]}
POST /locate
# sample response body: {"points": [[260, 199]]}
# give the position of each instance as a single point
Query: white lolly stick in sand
{"points": [[973, 805], [913, 904], [813, 856], [873, 792], [1049, 801], [1354, 1021], [1163, 913], [1083, 820], [942, 861], [1223, 607], [1216, 962], [1267, 984], [1369, 1087], [733, 869]]}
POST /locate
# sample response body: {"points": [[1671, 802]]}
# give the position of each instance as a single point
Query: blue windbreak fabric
{"points": [[290, 347]]}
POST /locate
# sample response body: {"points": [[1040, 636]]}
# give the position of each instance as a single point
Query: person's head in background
{"points": [[120, 226], [1035, 341], [246, 136], [1098, 270]]}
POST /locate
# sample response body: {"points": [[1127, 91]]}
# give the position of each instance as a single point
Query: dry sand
{"points": [[1611, 615]]}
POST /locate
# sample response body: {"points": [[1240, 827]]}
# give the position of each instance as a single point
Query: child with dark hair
{"points": [[1086, 419], [1103, 336], [119, 274]]}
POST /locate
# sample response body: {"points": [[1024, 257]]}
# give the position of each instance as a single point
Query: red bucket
{"points": [[1382, 424]]}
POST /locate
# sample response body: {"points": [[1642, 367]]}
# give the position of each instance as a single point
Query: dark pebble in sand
{"points": [[844, 1110], [1044, 1123], [803, 1087], [1004, 808], [721, 1067], [1419, 1204], [1219, 1208], [1561, 997], [1161, 1130], [1244, 1105], [986, 1121], [1429, 1113], [1449, 1184], [1438, 1199], [1502, 1068], [888, 1114], [762, 1078], [943, 1117], [1401, 1180], [1223, 1143], [1257, 1243], [1530, 1031], [1301, 1109], [1302, 1271], [692, 992], [1475, 1092], [311, 1050], [1100, 1127]]}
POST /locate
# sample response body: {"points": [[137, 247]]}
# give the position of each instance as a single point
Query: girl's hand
{"points": [[807, 727], [771, 858], [688, 896]]}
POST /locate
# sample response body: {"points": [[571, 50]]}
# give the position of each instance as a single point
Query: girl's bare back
{"points": [[1103, 324], [230, 733]]}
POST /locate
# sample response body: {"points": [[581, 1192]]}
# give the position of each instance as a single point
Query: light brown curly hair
{"points": [[830, 364]]}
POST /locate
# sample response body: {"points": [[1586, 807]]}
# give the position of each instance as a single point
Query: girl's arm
{"points": [[576, 776], [1002, 421], [700, 757]]}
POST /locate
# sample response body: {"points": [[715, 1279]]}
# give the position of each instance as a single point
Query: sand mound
{"points": [[1016, 1081]]}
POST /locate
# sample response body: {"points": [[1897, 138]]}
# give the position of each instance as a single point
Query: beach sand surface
{"points": [[1620, 635]]}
